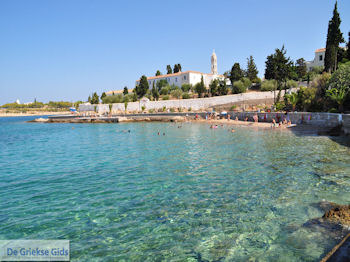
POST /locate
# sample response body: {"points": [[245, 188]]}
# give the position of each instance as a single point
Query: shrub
{"points": [[269, 85], [165, 90], [172, 110], [176, 93], [186, 87], [247, 83], [321, 81], [174, 87], [185, 96], [190, 109], [333, 110], [151, 111], [165, 97], [291, 84], [238, 87], [113, 99], [143, 108]]}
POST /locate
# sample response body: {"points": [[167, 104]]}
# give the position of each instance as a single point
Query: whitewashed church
{"points": [[188, 77]]}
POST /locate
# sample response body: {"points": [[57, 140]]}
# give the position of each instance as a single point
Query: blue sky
{"points": [[65, 50]]}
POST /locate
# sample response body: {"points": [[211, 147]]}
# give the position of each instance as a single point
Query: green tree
{"points": [[143, 87], [214, 87], [125, 91], [155, 92], [186, 87], [223, 90], [103, 96], [158, 73], [292, 99], [348, 47], [270, 67], [252, 71], [338, 95], [334, 38], [95, 99], [89, 99], [169, 70], [200, 88], [301, 69], [339, 85], [161, 83], [236, 73], [238, 87], [279, 69], [177, 68]]}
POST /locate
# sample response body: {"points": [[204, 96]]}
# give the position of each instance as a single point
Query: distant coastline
{"points": [[34, 113]]}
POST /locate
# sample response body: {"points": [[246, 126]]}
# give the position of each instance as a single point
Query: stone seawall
{"points": [[346, 124], [315, 119], [194, 104]]}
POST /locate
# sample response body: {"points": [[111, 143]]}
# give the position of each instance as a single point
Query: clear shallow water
{"points": [[194, 192]]}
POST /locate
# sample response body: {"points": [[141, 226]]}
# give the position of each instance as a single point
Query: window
{"points": [[175, 79], [184, 77], [321, 57]]}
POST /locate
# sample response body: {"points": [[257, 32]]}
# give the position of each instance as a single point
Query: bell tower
{"points": [[214, 64]]}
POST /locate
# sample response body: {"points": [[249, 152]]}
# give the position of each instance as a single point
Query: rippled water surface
{"points": [[194, 194]]}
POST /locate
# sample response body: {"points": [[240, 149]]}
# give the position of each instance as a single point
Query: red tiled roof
{"points": [[320, 50]]}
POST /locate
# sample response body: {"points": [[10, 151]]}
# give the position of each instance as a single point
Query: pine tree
{"points": [[334, 38], [169, 70], [95, 99], [252, 71], [103, 96]]}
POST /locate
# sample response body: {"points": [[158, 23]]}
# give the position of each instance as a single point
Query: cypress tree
{"points": [[348, 47], [334, 38], [236, 73], [270, 67]]}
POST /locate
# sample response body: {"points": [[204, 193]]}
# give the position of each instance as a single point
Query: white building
{"points": [[188, 77], [318, 60]]}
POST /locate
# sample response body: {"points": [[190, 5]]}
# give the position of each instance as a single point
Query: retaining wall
{"points": [[194, 104], [316, 119], [346, 124]]}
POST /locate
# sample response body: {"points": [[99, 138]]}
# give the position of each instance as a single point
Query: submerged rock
{"points": [[40, 120], [338, 214]]}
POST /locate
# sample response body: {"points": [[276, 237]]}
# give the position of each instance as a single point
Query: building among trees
{"points": [[187, 77], [318, 60]]}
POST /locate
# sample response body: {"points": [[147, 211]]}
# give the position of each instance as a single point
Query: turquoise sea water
{"points": [[195, 194]]}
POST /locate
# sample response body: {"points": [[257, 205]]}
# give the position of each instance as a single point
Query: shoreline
{"points": [[33, 114], [300, 128]]}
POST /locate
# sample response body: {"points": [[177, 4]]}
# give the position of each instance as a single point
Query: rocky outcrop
{"points": [[338, 214]]}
